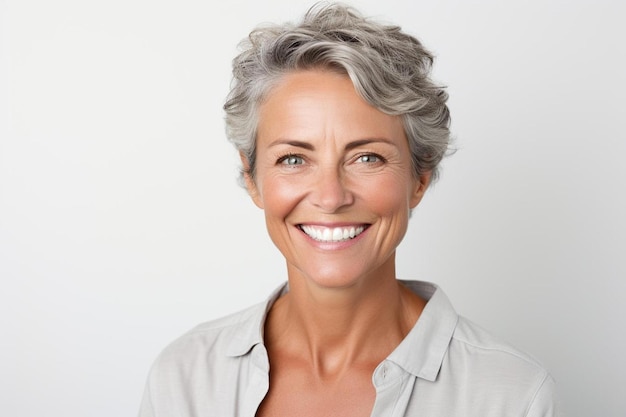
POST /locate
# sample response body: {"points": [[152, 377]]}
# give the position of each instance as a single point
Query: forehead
{"points": [[319, 103]]}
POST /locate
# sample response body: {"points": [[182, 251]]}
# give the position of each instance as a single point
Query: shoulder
{"points": [[195, 370], [226, 336], [218, 345], [475, 339], [495, 366]]}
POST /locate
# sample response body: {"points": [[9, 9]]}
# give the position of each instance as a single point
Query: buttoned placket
{"points": [[393, 390], [259, 382]]}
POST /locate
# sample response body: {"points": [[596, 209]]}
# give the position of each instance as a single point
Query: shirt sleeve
{"points": [[146, 409], [545, 402]]}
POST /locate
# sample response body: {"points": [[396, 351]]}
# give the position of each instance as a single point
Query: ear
{"points": [[419, 188], [253, 191]]}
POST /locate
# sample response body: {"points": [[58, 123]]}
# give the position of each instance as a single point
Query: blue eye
{"points": [[291, 160]]}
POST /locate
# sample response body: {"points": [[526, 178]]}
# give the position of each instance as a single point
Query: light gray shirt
{"points": [[445, 367]]}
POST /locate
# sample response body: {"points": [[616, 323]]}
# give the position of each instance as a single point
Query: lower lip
{"points": [[334, 245]]}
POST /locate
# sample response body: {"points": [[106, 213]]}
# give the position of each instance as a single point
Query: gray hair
{"points": [[389, 69]]}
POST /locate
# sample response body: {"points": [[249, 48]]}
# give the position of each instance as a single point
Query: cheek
{"points": [[279, 197], [389, 195]]}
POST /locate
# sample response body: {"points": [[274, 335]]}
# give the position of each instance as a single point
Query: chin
{"points": [[332, 276]]}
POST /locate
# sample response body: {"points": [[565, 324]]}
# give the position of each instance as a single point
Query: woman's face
{"points": [[334, 178]]}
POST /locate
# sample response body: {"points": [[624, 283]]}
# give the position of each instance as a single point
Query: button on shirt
{"points": [[445, 367]]}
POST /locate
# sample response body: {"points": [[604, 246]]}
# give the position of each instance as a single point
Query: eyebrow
{"points": [[351, 145], [296, 143], [362, 142]]}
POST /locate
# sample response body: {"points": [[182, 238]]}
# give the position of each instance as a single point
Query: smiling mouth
{"points": [[332, 234]]}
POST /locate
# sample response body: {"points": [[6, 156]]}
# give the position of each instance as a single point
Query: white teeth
{"points": [[332, 234]]}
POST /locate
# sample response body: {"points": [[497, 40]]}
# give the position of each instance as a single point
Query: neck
{"points": [[335, 328]]}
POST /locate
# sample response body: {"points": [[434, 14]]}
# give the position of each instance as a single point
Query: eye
{"points": [[370, 158], [291, 160]]}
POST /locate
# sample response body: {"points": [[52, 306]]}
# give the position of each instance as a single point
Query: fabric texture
{"points": [[445, 366]]}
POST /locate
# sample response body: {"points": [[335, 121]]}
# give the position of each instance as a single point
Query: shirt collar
{"points": [[248, 332], [421, 352]]}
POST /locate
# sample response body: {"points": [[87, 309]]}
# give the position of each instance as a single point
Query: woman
{"points": [[340, 131]]}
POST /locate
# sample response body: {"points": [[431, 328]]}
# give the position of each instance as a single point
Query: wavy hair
{"points": [[388, 68]]}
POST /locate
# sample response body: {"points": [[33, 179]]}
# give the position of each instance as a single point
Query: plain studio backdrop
{"points": [[122, 225]]}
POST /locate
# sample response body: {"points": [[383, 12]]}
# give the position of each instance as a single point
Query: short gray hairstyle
{"points": [[388, 68]]}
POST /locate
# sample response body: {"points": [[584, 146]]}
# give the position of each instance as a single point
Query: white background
{"points": [[121, 224]]}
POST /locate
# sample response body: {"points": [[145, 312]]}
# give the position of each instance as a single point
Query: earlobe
{"points": [[420, 187], [249, 181]]}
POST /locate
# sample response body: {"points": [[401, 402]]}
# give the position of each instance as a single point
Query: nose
{"points": [[329, 190]]}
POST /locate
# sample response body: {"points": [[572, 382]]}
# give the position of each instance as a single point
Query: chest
{"points": [[299, 395]]}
